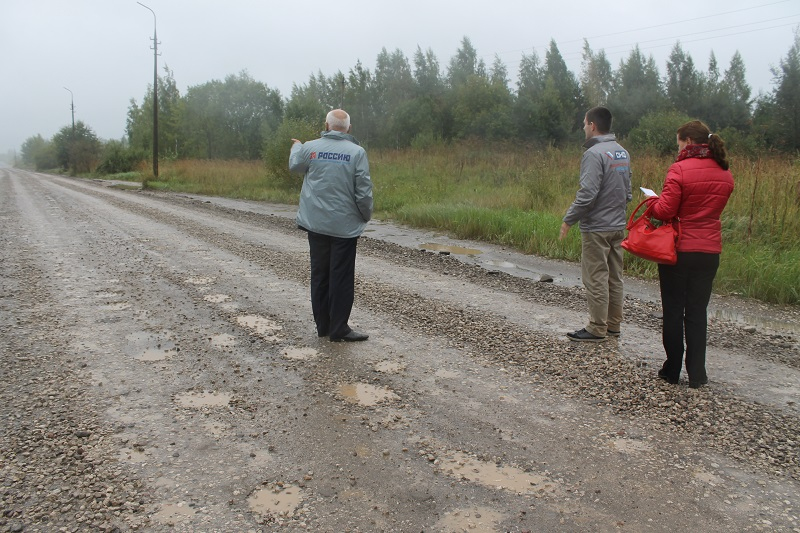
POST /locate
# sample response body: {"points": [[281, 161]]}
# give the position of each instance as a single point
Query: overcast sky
{"points": [[101, 49]]}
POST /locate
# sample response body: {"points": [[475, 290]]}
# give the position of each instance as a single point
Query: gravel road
{"points": [[160, 372]]}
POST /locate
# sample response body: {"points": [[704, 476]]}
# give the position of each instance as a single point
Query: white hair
{"points": [[336, 120]]}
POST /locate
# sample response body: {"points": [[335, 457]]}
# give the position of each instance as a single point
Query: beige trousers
{"points": [[601, 269]]}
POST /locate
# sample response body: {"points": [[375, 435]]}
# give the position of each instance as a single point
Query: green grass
{"points": [[515, 196]]}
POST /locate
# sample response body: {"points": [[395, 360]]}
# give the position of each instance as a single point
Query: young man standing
{"points": [[599, 207]]}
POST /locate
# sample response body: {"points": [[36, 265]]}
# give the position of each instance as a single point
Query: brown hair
{"points": [[601, 117], [698, 133]]}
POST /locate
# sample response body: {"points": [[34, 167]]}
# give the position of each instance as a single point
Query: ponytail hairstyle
{"points": [[698, 133]]}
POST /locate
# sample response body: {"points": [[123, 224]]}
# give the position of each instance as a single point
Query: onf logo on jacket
{"points": [[330, 156], [620, 160]]}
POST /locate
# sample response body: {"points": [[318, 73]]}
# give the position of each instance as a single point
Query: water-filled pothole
{"points": [[277, 500], [223, 340], [203, 399], [300, 354], [366, 394], [261, 326], [462, 466]]}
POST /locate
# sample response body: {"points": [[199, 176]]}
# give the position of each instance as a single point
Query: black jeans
{"points": [[685, 292], [333, 267]]}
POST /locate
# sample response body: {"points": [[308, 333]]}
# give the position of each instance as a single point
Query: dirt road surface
{"points": [[160, 372]]}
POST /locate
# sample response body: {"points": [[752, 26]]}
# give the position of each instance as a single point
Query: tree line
{"points": [[416, 103]]}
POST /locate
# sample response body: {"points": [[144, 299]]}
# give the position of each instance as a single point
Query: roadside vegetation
{"points": [[516, 197]]}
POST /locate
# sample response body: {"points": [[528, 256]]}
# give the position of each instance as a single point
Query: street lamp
{"points": [[155, 92], [72, 107]]}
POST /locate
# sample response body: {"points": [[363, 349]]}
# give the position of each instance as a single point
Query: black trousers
{"points": [[333, 268], [685, 292]]}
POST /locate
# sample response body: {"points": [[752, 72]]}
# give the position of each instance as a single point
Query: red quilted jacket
{"points": [[696, 191]]}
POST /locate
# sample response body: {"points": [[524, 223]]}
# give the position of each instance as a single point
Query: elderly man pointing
{"points": [[335, 206]]}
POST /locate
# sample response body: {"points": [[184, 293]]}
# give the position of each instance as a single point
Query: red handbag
{"points": [[651, 242]]}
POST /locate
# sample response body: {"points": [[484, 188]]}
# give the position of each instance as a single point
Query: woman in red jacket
{"points": [[695, 191]]}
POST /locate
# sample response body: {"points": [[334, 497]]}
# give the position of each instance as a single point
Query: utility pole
{"points": [[155, 91], [72, 107]]}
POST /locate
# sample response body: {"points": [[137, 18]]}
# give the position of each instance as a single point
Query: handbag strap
{"points": [[675, 222], [633, 215]]}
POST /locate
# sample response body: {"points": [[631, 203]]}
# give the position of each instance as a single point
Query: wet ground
{"points": [[161, 373]]}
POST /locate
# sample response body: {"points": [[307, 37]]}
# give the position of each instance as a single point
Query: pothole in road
{"points": [[194, 400], [115, 306], [216, 298], [132, 456], [300, 354], [149, 347], [433, 247], [390, 367], [171, 514], [462, 466], [223, 340], [631, 446], [261, 326], [279, 500], [477, 519], [366, 394], [197, 280]]}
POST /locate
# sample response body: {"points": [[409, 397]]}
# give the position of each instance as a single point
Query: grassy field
{"points": [[517, 196]]}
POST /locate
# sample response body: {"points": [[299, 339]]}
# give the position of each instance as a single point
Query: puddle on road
{"points": [[216, 298], [480, 519], [149, 347], [199, 280], [279, 500], [501, 264], [195, 400], [461, 466], [172, 513], [223, 340], [390, 367], [458, 250], [132, 456], [366, 394], [631, 446], [300, 354], [758, 321], [263, 327]]}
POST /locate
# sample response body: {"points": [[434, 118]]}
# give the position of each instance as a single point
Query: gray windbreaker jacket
{"points": [[605, 186], [336, 198]]}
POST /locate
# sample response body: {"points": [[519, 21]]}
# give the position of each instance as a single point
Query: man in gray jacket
{"points": [[599, 206], [335, 206]]}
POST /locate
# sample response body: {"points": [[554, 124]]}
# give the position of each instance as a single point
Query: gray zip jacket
{"points": [[605, 186], [336, 198]]}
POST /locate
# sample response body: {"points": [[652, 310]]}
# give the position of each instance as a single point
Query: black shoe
{"points": [[669, 379], [353, 336], [584, 336], [697, 384], [611, 333]]}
